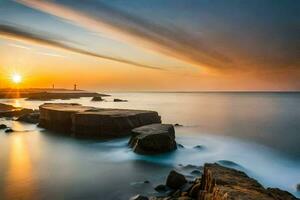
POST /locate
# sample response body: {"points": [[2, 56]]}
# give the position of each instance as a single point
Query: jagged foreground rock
{"points": [[222, 183], [89, 122], [153, 139]]}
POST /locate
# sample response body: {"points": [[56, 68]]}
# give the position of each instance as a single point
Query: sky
{"points": [[157, 45]]}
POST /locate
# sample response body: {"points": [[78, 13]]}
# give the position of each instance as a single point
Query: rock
{"points": [[3, 126], [196, 172], [194, 190], [298, 187], [153, 139], [219, 182], [161, 188], [146, 181], [5, 107], [90, 122], [15, 112], [32, 118], [139, 197], [199, 147], [180, 146], [9, 130], [177, 124], [120, 100], [280, 194], [184, 198], [187, 186], [231, 164], [175, 180], [97, 98]]}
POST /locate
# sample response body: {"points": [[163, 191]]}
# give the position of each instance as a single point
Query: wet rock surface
{"points": [[3, 126], [153, 139], [11, 111], [97, 98], [120, 100], [90, 122], [221, 183], [32, 118], [175, 180]]}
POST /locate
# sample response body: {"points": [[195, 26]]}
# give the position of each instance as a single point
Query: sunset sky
{"points": [[185, 45]]}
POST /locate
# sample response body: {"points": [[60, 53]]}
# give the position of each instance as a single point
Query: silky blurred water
{"points": [[258, 131]]}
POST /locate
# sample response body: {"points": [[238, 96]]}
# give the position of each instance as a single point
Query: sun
{"points": [[16, 78]]}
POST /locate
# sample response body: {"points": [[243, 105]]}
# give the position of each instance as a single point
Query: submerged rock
{"points": [[5, 107], [16, 112], [177, 124], [139, 197], [9, 130], [3, 126], [90, 122], [153, 139], [175, 180], [32, 117], [120, 100], [97, 98], [199, 147], [161, 188]]}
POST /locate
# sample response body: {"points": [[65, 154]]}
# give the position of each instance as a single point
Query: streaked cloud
{"points": [[119, 25], [33, 37]]}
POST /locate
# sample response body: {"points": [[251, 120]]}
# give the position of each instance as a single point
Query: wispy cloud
{"points": [[168, 40], [20, 34], [19, 46]]}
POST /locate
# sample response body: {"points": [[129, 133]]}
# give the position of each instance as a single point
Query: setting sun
{"points": [[16, 78]]}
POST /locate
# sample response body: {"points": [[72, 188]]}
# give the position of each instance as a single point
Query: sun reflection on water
{"points": [[19, 183]]}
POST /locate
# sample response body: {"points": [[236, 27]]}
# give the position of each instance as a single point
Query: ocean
{"points": [[258, 132]]}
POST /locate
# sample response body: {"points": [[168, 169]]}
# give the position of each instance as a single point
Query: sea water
{"points": [[258, 132]]}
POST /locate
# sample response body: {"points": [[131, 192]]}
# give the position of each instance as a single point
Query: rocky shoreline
{"points": [[216, 183]]}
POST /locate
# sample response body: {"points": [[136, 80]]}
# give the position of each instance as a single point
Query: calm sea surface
{"points": [[258, 131]]}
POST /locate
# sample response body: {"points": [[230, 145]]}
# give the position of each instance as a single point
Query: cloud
{"points": [[119, 25], [51, 41]]}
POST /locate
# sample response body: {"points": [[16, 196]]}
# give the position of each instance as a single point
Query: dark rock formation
{"points": [[5, 107], [9, 130], [89, 122], [16, 112], [175, 180], [3, 126], [32, 117], [120, 100], [153, 139], [220, 183], [199, 147], [280, 194], [298, 187], [177, 124], [139, 197], [97, 98], [51, 95], [161, 188]]}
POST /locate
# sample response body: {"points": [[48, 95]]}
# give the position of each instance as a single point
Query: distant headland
{"points": [[46, 93]]}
